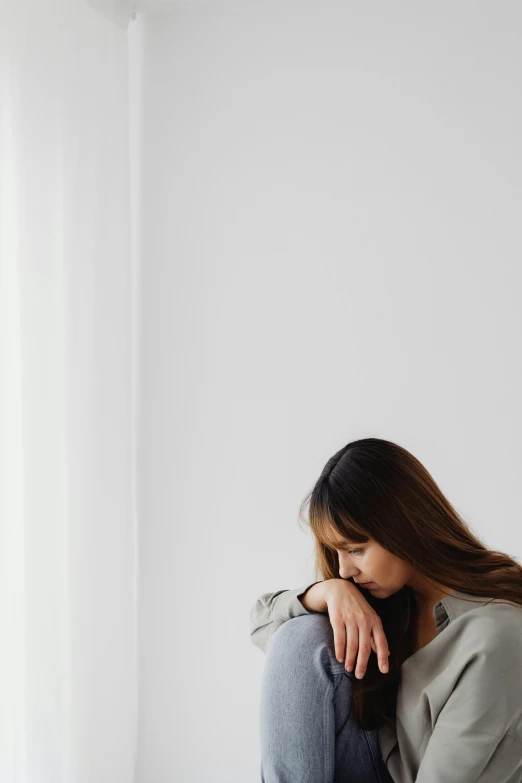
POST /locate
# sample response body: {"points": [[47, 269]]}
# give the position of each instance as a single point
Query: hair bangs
{"points": [[332, 527]]}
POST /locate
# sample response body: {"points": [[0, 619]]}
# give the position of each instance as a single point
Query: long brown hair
{"points": [[373, 488]]}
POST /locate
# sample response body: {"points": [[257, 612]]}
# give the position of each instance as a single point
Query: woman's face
{"points": [[387, 573], [370, 562]]}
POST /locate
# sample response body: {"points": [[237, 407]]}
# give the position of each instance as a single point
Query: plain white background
{"points": [[330, 250], [68, 636], [233, 237]]}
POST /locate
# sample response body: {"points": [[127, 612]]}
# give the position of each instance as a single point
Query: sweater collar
{"points": [[455, 605]]}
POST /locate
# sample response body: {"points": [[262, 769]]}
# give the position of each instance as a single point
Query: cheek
{"points": [[392, 568], [380, 566]]}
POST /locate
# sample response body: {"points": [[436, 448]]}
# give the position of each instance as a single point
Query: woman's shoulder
{"points": [[497, 626]]}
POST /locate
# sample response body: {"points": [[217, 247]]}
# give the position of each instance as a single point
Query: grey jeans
{"points": [[307, 732]]}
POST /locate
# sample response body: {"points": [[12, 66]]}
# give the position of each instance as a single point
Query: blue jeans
{"points": [[307, 731]]}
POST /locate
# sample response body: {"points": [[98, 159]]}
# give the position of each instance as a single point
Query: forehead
{"points": [[345, 542], [334, 538], [337, 540]]}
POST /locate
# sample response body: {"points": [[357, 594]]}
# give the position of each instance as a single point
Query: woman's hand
{"points": [[356, 625]]}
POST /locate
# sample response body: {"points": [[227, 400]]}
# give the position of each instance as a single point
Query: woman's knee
{"points": [[306, 632], [304, 647]]}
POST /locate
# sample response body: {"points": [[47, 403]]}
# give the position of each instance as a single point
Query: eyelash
{"points": [[350, 551]]}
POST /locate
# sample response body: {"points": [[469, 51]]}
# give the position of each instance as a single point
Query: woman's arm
{"points": [[273, 609]]}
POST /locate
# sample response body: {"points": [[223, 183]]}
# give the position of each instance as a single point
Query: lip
{"points": [[366, 584]]}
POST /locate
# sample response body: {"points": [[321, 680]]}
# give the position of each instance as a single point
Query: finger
{"points": [[352, 645], [382, 651], [364, 651], [339, 630]]}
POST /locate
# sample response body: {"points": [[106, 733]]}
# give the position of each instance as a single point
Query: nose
{"points": [[346, 569], [345, 575]]}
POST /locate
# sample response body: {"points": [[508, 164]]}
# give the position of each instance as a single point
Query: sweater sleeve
{"points": [[271, 610], [473, 740]]}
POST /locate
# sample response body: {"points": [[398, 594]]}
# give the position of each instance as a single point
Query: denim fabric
{"points": [[307, 731]]}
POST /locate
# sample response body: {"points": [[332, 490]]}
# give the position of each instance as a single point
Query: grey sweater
{"points": [[459, 702]]}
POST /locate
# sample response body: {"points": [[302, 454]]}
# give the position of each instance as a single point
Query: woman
{"points": [[441, 609]]}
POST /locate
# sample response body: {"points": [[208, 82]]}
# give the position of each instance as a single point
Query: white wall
{"points": [[331, 250]]}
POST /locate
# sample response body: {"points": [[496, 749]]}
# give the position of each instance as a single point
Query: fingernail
{"points": [[385, 667]]}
